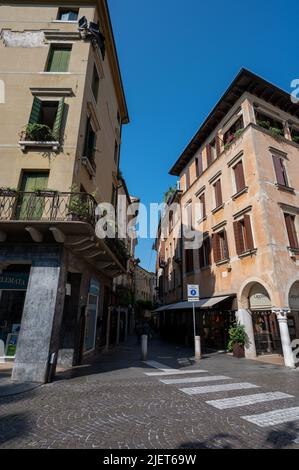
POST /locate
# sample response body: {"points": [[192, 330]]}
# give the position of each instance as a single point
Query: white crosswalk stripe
{"points": [[246, 400], [210, 378], [157, 365], [217, 388], [272, 418], [174, 372]]}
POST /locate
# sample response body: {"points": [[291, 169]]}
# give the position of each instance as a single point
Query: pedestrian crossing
{"points": [[201, 376]]}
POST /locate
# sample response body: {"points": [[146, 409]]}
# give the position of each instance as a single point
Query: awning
{"points": [[202, 303]]}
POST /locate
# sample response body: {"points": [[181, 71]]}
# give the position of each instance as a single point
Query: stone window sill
{"points": [[239, 193], [24, 144], [222, 261], [248, 253], [288, 189], [217, 208], [203, 219], [89, 167]]}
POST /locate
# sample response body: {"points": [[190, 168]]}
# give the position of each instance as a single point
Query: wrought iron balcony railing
{"points": [[46, 206]]}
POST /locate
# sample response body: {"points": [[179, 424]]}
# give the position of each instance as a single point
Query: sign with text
{"points": [[13, 281], [193, 292]]}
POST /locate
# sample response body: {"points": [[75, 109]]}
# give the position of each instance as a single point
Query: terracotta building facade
{"points": [[242, 169]]}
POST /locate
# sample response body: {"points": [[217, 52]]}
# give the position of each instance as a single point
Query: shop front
{"points": [[265, 324], [13, 286], [293, 315]]}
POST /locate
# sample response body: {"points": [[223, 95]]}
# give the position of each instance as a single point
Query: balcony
{"points": [[70, 218]]}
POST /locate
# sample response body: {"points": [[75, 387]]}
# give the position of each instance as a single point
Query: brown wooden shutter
{"points": [[218, 145], [208, 250], [291, 230], [239, 238], [200, 165], [189, 260], [216, 247], [209, 154], [279, 170], [226, 249], [239, 175], [248, 231], [218, 193], [201, 256]]}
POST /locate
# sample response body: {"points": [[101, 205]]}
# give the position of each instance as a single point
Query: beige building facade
{"points": [[60, 135], [241, 168]]}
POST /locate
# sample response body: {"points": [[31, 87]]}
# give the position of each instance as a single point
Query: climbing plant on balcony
{"points": [[38, 133]]}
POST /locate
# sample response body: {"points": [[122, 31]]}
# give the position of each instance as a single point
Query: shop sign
{"points": [[259, 298], [13, 281], [294, 297]]}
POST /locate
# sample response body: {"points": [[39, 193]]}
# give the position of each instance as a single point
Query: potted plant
{"points": [[38, 133], [8, 192], [237, 340], [264, 124], [276, 132]]}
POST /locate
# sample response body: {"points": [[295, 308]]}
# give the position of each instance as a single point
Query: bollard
{"points": [[144, 347], [197, 348], [2, 352]]}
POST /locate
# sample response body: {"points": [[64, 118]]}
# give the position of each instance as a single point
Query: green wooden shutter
{"points": [[59, 59], [58, 119], [35, 111]]}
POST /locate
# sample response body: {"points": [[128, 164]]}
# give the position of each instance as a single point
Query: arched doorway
{"points": [[265, 324], [293, 316]]}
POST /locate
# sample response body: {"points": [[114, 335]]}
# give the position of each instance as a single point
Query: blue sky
{"points": [[177, 58]]}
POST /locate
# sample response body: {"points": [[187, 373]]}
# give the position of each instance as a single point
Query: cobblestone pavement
{"points": [[120, 402]]}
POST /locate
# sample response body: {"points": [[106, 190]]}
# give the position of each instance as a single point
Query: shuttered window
{"points": [[49, 113], [205, 253], [199, 166], [220, 246], [243, 235], [239, 176], [291, 229], [90, 138], [218, 194], [280, 170], [209, 154], [95, 83], [202, 201], [189, 261], [187, 179], [59, 59]]}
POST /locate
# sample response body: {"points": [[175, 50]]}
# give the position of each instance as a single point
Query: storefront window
{"points": [[91, 316], [266, 333]]}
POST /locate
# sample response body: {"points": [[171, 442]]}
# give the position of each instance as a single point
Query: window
{"points": [[116, 152], [202, 201], [189, 261], [66, 14], [205, 253], [31, 207], [232, 133], [218, 194], [90, 140], [239, 176], [243, 235], [295, 135], [291, 229], [48, 113], [280, 171], [188, 216], [59, 59], [187, 179], [269, 123], [198, 166], [220, 246], [95, 83], [213, 150]]}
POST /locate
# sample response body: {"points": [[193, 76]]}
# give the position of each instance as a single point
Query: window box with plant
{"points": [[44, 126], [274, 126], [237, 340]]}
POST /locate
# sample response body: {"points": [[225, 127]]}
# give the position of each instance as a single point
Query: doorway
{"points": [[266, 332]]}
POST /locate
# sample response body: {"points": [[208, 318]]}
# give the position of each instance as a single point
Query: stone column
{"points": [[282, 317], [42, 315], [244, 317]]}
